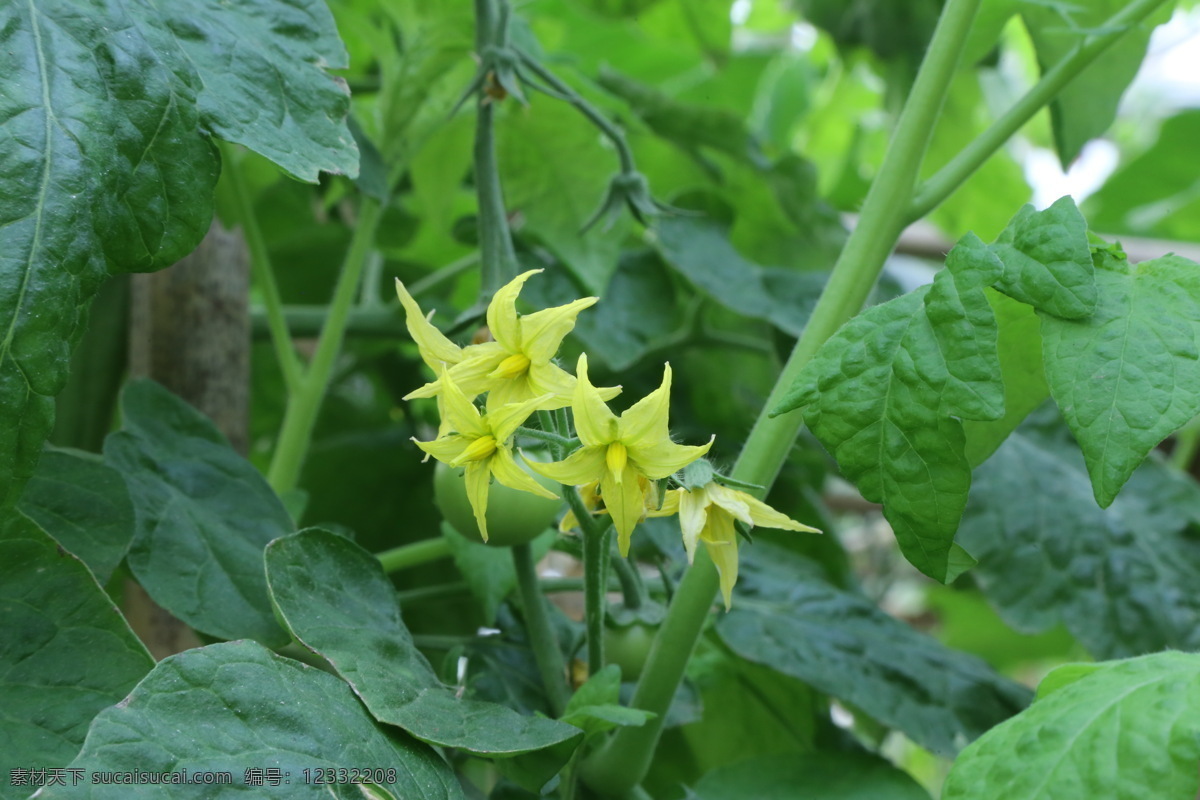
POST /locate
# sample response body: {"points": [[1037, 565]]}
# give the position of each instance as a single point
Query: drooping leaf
{"points": [[336, 600], [787, 617], [827, 775], [1121, 580], [1128, 375], [887, 393], [65, 652], [204, 515], [1087, 106], [83, 503], [1047, 263], [1124, 729], [108, 166], [235, 707]]}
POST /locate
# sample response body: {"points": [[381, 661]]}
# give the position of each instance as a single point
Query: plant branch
{"points": [[942, 184], [304, 405], [414, 555], [622, 762], [541, 635]]}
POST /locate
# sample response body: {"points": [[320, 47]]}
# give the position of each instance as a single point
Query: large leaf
{"points": [[65, 652], [108, 166], [827, 775], [237, 707], [336, 600], [787, 617], [83, 503], [1121, 580], [204, 515], [1125, 730], [1128, 375], [887, 393]]}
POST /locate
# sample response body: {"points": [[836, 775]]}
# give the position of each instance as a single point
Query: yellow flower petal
{"points": [[543, 331], [720, 540], [434, 347], [670, 504], [461, 413], [508, 472], [446, 448], [657, 461], [502, 317], [478, 476], [594, 422], [693, 516], [645, 422], [625, 501], [583, 466], [505, 419]]}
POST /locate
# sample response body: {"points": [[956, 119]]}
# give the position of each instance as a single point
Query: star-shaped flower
{"points": [[622, 453], [707, 514]]}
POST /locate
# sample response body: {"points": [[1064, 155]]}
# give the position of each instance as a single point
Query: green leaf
{"points": [[83, 503], [1115, 733], [824, 774], [489, 571], [336, 600], [109, 166], [1047, 263], [887, 393], [555, 173], [940, 698], [595, 707], [1087, 105], [1128, 375], [1065, 676], [236, 706], [204, 515], [65, 652], [1121, 580]]}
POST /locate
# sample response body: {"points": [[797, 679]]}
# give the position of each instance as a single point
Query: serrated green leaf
{"points": [[825, 774], [336, 600], [887, 393], [1126, 729], [1121, 580], [1087, 106], [1128, 375], [83, 503], [1047, 262], [787, 617], [204, 515], [65, 652], [236, 706]]}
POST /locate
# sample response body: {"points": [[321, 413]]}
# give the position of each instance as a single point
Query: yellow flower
{"points": [[436, 350], [518, 365], [707, 515], [622, 453], [480, 444]]}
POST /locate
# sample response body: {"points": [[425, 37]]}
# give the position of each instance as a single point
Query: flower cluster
{"points": [[619, 459]]}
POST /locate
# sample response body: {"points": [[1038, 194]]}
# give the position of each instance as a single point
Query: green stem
{"points": [[414, 555], [541, 636], [558, 443], [304, 405], [1187, 441], [462, 589], [633, 592], [941, 185], [264, 275], [622, 762], [595, 579], [443, 274]]}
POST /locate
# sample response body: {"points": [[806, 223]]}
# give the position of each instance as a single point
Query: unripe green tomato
{"points": [[628, 647], [513, 516]]}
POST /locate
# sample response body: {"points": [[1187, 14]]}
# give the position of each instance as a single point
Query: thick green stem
{"points": [[633, 592], [621, 763], [304, 404], [941, 185], [541, 635], [414, 555], [595, 579], [264, 275]]}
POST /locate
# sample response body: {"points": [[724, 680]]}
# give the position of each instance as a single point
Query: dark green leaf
{"points": [[83, 503], [1121, 580], [1141, 714], [787, 617], [236, 706], [336, 600], [1047, 263], [204, 515], [1128, 375], [65, 652], [595, 707], [489, 571], [827, 775], [887, 393]]}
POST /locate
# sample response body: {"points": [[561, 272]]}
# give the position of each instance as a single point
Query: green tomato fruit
{"points": [[628, 647], [513, 516]]}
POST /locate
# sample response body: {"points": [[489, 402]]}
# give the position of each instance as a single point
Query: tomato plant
{"points": [[514, 517]]}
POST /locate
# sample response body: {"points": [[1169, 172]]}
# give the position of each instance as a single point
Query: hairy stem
{"points": [[541, 635]]}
